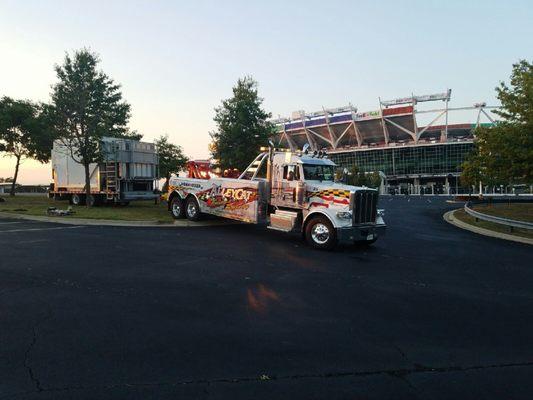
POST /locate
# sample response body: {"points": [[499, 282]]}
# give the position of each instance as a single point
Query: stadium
{"points": [[417, 150]]}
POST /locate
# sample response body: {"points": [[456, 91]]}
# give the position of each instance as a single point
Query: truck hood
{"points": [[316, 186]]}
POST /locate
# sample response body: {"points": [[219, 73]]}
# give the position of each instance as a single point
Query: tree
{"points": [[24, 132], [374, 180], [355, 177], [242, 127], [171, 158], [503, 153], [88, 105]]}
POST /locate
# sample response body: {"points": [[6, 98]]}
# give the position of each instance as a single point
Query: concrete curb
{"points": [[107, 222], [450, 218]]}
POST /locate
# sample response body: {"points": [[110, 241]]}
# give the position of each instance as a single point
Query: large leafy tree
{"points": [[242, 127], [355, 177], [171, 158], [503, 153], [88, 105], [25, 132]]}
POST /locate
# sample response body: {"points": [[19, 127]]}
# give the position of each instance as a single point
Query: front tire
{"points": [[177, 209], [320, 233], [192, 209]]}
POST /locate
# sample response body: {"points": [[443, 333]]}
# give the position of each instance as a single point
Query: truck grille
{"points": [[364, 206]]}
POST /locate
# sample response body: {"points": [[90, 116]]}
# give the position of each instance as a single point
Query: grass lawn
{"points": [[463, 216], [135, 211]]}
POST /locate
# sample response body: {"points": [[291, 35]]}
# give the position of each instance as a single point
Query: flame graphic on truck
{"points": [[334, 196]]}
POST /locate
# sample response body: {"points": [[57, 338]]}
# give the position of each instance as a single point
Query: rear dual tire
{"points": [[189, 208], [192, 209], [81, 200], [77, 200], [177, 209]]}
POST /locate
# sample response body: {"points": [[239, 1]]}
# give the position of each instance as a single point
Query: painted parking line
{"points": [[41, 229]]}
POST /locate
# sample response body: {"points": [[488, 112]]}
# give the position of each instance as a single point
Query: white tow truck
{"points": [[286, 191]]}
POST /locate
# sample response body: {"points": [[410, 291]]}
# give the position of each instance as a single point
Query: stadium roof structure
{"points": [[393, 124]]}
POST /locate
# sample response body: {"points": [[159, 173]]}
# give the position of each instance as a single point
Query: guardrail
{"points": [[511, 223]]}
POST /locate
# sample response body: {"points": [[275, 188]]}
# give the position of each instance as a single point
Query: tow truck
{"points": [[285, 191]]}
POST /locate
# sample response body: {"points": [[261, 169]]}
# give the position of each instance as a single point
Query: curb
{"points": [[108, 222], [450, 218]]}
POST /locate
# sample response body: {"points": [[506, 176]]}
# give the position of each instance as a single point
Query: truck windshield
{"points": [[317, 172]]}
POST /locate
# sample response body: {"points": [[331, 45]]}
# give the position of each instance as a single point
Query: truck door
{"points": [[290, 188]]}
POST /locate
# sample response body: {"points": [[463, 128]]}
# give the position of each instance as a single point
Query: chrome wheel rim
{"points": [[176, 209], [191, 210], [75, 199], [320, 233]]}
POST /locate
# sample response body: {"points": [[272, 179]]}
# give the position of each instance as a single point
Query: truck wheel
{"points": [[91, 200], [320, 233], [77, 200], [192, 209], [176, 208]]}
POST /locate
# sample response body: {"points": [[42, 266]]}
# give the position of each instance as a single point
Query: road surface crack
{"points": [[401, 373], [28, 351]]}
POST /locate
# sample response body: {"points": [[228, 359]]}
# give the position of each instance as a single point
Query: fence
{"points": [[511, 223]]}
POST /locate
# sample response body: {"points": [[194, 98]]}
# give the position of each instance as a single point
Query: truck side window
{"points": [[291, 173]]}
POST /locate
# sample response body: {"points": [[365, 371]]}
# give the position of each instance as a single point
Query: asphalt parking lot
{"points": [[236, 312]]}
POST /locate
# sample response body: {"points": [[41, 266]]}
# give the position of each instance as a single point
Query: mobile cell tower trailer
{"points": [[128, 172]]}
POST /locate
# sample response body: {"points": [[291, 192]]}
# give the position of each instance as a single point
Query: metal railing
{"points": [[511, 223]]}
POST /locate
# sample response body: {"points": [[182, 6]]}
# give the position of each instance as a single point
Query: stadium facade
{"points": [[412, 159]]}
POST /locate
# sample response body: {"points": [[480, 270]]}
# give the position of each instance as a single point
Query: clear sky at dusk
{"points": [[176, 60]]}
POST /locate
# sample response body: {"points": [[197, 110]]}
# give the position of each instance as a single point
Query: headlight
{"points": [[344, 214], [381, 213]]}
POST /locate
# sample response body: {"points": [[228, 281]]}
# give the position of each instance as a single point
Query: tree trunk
{"points": [[13, 185], [87, 185], [165, 185]]}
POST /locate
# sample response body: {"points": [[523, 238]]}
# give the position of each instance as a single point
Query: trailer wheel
{"points": [[192, 209], [76, 200], [320, 233], [176, 208], [91, 200]]}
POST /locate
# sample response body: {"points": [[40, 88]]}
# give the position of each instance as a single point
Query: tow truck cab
{"points": [[304, 196]]}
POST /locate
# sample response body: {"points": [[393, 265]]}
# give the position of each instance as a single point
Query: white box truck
{"points": [[286, 191], [128, 172]]}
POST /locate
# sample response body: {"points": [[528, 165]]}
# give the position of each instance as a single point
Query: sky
{"points": [[176, 60]]}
